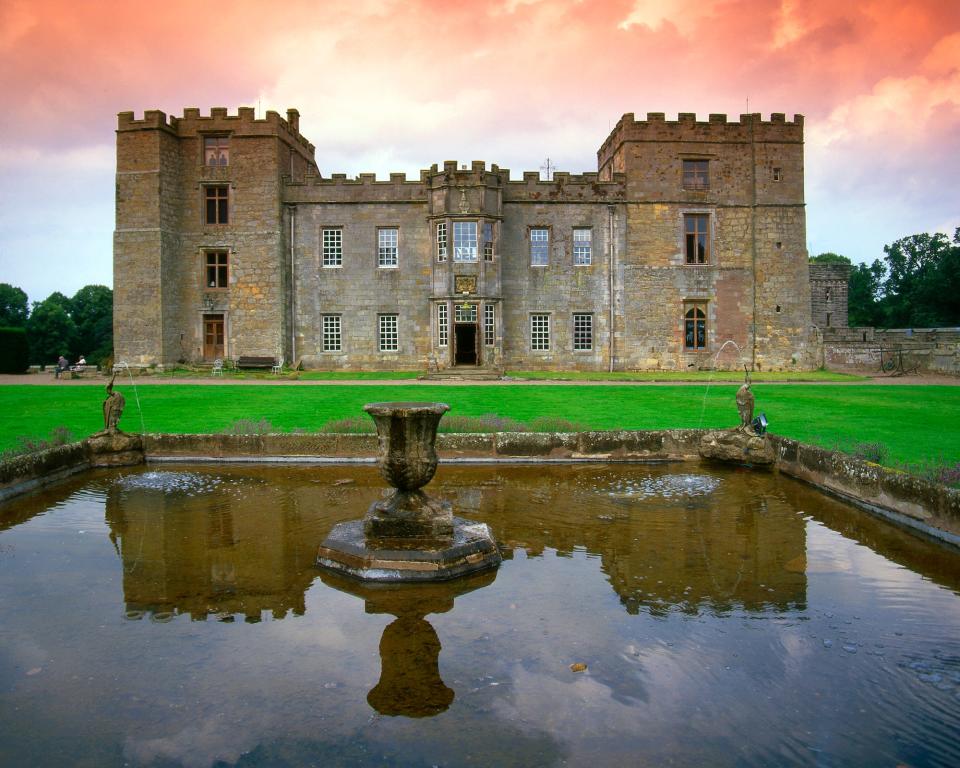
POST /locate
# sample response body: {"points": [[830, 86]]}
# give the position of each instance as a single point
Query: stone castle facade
{"points": [[230, 242]]}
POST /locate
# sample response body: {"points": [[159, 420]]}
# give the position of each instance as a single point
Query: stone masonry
{"points": [[463, 266]]}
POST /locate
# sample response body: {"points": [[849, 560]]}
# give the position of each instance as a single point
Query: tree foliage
{"points": [[91, 309], [13, 306], [829, 258], [917, 285]]}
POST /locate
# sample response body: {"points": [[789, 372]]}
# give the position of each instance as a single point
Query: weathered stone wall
{"points": [[927, 350], [829, 284]]}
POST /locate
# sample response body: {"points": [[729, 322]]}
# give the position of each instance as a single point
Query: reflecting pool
{"points": [[173, 615]]}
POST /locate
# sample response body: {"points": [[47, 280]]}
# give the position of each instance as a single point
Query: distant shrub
{"points": [[59, 435], [13, 350], [249, 427]]}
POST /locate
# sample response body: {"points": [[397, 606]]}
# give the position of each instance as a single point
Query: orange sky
{"points": [[389, 85]]}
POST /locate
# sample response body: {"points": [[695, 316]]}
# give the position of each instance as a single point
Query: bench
{"points": [[78, 371], [253, 361]]}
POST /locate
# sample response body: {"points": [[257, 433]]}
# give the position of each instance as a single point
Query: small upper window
{"points": [[582, 247], [216, 150], [333, 247], [216, 272], [441, 241], [387, 239], [778, 174], [539, 247], [696, 174], [217, 199], [488, 241]]}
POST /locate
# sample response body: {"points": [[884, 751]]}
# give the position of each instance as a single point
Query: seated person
{"points": [[62, 365]]}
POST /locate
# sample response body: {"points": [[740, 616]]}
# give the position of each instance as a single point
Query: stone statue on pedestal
{"points": [[745, 401], [112, 408]]}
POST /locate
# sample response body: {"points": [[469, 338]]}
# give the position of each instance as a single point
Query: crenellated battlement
{"points": [[717, 128], [243, 123]]}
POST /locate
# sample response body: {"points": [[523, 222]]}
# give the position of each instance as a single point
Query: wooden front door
{"points": [[213, 346]]}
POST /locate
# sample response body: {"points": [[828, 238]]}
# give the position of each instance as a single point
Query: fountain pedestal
{"points": [[409, 536]]}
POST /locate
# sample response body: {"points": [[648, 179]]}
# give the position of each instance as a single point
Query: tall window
{"points": [[696, 174], [582, 247], [387, 239], [540, 333], [488, 241], [441, 241], [332, 337], [216, 150], [464, 241], [489, 329], [778, 174], [696, 228], [582, 331], [333, 247], [539, 247], [695, 326], [443, 327], [216, 198], [388, 336], [216, 271]]}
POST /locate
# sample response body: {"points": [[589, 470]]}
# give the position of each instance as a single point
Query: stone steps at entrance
{"points": [[464, 373]]}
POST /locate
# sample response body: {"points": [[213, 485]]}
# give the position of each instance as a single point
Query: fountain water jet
{"points": [[409, 536]]}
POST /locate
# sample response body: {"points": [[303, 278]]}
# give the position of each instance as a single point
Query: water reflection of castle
{"points": [[243, 552]]}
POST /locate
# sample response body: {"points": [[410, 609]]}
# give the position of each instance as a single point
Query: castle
{"points": [[230, 242]]}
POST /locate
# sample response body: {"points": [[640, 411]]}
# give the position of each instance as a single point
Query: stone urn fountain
{"points": [[409, 535]]}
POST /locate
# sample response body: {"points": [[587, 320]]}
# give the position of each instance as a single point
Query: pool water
{"points": [[643, 615]]}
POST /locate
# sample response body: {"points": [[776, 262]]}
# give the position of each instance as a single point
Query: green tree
{"points": [[13, 306], [51, 330], [864, 306], [921, 285], [91, 309]]}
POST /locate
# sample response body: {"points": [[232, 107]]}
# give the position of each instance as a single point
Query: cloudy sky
{"points": [[396, 85]]}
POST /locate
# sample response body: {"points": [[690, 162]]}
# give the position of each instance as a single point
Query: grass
{"points": [[915, 423]]}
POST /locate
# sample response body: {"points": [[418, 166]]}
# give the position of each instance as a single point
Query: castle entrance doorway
{"points": [[465, 340], [213, 336], [466, 350]]}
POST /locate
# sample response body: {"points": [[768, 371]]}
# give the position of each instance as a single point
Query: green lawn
{"points": [[915, 423]]}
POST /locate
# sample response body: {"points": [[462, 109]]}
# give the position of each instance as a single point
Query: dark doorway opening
{"points": [[465, 338]]}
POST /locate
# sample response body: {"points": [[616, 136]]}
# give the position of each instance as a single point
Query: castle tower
{"points": [[201, 264], [716, 240]]}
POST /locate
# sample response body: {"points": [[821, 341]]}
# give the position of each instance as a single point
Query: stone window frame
{"points": [[388, 339], [690, 307], [335, 335], [695, 173], [221, 149], [689, 213], [488, 238], [205, 267], [578, 332], [384, 251], [442, 241], [582, 256], [335, 249], [489, 325], [540, 332], [225, 201], [778, 174], [472, 251], [443, 325], [546, 244]]}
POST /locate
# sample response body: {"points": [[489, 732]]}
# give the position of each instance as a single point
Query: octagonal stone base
{"points": [[348, 550]]}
